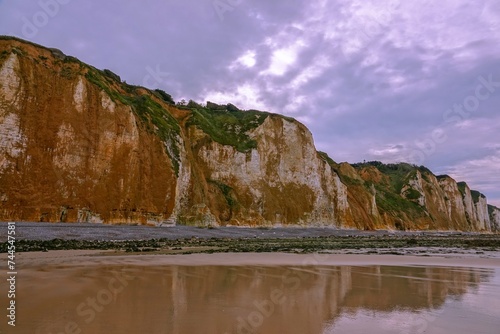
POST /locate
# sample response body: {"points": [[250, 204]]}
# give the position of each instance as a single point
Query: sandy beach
{"points": [[101, 258]]}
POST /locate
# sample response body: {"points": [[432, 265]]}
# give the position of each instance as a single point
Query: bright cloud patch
{"points": [[391, 153], [245, 97], [247, 60], [282, 59]]}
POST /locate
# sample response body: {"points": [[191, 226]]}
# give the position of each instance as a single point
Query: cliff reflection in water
{"points": [[223, 299]]}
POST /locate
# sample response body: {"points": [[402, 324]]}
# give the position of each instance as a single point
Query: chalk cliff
{"points": [[413, 198], [494, 213], [78, 144]]}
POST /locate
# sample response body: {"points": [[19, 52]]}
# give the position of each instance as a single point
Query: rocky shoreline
{"points": [[32, 237]]}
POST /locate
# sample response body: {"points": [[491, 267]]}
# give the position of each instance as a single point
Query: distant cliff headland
{"points": [[79, 145]]}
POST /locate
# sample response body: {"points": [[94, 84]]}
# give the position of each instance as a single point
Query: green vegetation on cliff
{"points": [[412, 194], [389, 198], [347, 180], [461, 187], [155, 117], [399, 174], [476, 195], [226, 125], [226, 192]]}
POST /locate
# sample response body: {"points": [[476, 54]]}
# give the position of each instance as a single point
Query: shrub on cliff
{"points": [[164, 96]]}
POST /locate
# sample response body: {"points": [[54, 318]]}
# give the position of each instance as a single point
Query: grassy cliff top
{"points": [[225, 124]]}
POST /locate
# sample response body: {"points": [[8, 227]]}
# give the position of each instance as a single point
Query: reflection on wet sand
{"points": [[230, 299]]}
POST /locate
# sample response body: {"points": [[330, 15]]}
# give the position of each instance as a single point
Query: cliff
{"points": [[413, 198], [494, 213], [77, 144]]}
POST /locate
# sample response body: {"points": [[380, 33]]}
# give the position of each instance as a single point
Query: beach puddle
{"points": [[256, 299]]}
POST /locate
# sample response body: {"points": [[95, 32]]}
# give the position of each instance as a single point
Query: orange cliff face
{"points": [[77, 144], [68, 152]]}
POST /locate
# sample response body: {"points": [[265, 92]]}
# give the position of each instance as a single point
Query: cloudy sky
{"points": [[388, 80]]}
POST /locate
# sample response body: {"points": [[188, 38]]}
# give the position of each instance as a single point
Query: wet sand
{"points": [[99, 258], [108, 292]]}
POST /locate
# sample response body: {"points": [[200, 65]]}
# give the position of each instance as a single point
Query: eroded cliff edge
{"points": [[77, 144]]}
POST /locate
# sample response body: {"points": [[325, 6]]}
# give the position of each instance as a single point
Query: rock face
{"points": [[494, 213], [411, 197], [76, 144], [282, 181], [68, 152]]}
